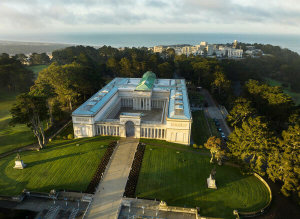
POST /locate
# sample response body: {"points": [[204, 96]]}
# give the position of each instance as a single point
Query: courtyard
{"points": [[153, 115]]}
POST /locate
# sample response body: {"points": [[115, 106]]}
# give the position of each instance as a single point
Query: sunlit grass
{"points": [[61, 165], [179, 178]]}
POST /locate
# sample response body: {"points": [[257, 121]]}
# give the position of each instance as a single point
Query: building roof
{"points": [[147, 82], [178, 107]]}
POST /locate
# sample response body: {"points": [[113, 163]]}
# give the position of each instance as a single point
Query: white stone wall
{"points": [[178, 131], [172, 130]]}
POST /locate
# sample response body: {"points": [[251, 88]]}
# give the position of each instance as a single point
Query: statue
{"points": [[211, 181], [213, 173], [18, 157], [19, 163]]}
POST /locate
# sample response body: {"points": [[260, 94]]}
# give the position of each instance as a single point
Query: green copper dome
{"points": [[147, 82]]}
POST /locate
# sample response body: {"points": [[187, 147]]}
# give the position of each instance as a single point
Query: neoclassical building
{"points": [[144, 107]]}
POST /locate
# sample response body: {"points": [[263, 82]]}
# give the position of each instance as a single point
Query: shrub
{"points": [[70, 136], [64, 137], [57, 137], [195, 146]]}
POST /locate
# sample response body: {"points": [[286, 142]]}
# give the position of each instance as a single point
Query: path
{"points": [[213, 111], [108, 197]]}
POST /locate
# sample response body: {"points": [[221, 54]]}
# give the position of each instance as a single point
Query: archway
{"points": [[129, 126]]}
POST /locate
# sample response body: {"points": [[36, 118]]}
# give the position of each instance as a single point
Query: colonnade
{"points": [[152, 133], [158, 103], [107, 130], [141, 103], [126, 102]]}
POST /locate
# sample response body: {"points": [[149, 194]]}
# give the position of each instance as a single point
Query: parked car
{"points": [[223, 135], [219, 129], [217, 123]]}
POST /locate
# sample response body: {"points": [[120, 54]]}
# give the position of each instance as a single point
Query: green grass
{"points": [[181, 147], [61, 165], [295, 96], [180, 180], [11, 137], [36, 68], [200, 130]]}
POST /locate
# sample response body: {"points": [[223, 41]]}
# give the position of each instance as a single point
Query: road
{"points": [[213, 111]]}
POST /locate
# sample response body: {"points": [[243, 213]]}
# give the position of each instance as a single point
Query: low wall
{"points": [[17, 198], [261, 211]]}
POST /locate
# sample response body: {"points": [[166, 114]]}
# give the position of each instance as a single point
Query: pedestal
{"points": [[211, 183], [19, 164]]}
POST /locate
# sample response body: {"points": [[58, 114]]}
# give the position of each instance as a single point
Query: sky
{"points": [[149, 16]]}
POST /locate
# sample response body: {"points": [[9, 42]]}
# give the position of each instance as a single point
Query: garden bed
{"points": [[134, 172], [101, 168]]}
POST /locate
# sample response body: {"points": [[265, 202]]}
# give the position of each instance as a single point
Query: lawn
{"points": [[200, 130], [295, 96], [61, 165], [36, 69], [180, 180], [11, 137]]}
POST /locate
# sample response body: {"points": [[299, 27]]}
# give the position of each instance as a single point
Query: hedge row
{"points": [[134, 172], [101, 168]]}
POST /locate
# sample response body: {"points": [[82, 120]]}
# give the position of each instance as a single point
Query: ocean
{"points": [[291, 42]]}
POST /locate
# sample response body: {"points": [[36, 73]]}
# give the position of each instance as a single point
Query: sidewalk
{"points": [[108, 197]]}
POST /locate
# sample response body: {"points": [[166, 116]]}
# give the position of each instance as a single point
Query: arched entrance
{"points": [[129, 126]]}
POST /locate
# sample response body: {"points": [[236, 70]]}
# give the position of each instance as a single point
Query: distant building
{"points": [[235, 53], [210, 49], [158, 49], [144, 107], [235, 43], [229, 52], [204, 44]]}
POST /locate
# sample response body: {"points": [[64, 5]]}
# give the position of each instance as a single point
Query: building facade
{"points": [[144, 107]]}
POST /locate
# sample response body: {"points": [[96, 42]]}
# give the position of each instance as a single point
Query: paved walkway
{"points": [[108, 197]]}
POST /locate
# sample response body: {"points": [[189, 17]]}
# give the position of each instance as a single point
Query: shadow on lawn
{"points": [[71, 143], [52, 159]]}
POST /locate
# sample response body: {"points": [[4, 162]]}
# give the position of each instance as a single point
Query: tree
{"points": [[214, 145], [284, 161], [125, 67], [251, 143], [241, 111], [201, 72], [44, 89], [14, 76], [22, 58], [39, 59], [270, 101], [220, 83], [71, 82], [113, 66], [32, 111], [165, 70]]}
